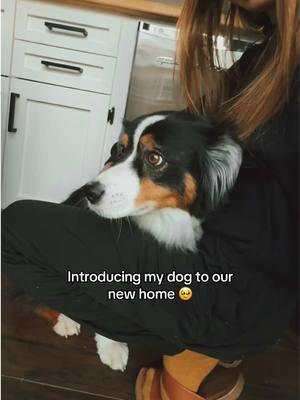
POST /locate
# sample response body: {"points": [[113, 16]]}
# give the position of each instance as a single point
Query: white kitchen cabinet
{"points": [[4, 106], [121, 82], [70, 71], [60, 25], [58, 141], [63, 67], [7, 27]]}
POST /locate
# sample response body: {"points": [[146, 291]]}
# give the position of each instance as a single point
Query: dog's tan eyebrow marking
{"points": [[190, 191], [147, 140], [124, 139]]}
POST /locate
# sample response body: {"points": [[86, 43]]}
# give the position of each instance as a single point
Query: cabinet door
{"points": [[7, 27], [4, 105], [58, 142]]}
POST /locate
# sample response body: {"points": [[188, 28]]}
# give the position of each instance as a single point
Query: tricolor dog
{"points": [[167, 172]]}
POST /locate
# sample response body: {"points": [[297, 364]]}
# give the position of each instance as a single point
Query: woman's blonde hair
{"points": [[227, 96]]}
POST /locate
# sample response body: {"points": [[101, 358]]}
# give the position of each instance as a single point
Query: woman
{"points": [[254, 236]]}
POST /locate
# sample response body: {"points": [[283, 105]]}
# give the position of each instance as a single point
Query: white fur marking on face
{"points": [[121, 183], [113, 354]]}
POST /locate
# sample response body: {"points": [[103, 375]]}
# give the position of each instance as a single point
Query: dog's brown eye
{"points": [[154, 158]]}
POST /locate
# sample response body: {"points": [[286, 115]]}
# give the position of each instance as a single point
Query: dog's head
{"points": [[165, 160]]}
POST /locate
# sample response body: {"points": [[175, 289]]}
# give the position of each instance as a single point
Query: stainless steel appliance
{"points": [[154, 83], [155, 76]]}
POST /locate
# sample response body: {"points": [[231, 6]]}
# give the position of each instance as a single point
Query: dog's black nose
{"points": [[94, 192]]}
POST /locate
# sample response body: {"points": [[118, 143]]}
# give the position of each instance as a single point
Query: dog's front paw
{"points": [[65, 326], [113, 354]]}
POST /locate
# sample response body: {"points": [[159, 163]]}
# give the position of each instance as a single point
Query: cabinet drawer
{"points": [[68, 27], [63, 67]]}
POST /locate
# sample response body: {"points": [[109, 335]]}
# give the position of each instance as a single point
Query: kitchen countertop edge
{"points": [[133, 8]]}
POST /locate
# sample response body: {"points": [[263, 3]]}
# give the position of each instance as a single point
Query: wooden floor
{"points": [[39, 365]]}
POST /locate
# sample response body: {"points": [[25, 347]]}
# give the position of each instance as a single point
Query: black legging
{"points": [[42, 241]]}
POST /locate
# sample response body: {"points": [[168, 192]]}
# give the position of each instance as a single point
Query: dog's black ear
{"points": [[126, 124], [220, 165], [113, 152]]}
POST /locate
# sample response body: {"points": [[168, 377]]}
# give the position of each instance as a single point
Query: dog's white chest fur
{"points": [[173, 227]]}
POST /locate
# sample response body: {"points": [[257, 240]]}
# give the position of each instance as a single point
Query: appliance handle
{"points": [[166, 60]]}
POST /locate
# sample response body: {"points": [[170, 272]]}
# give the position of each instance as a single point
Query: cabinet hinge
{"points": [[111, 115]]}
